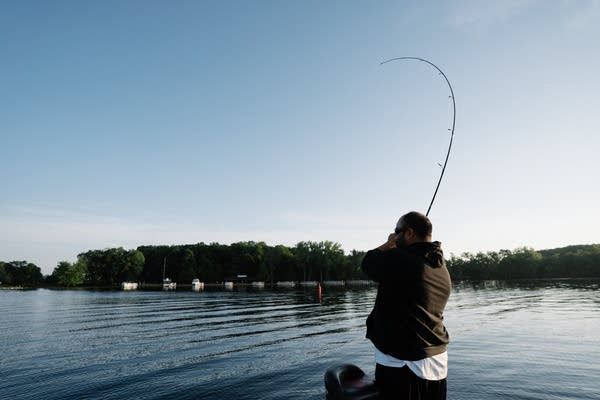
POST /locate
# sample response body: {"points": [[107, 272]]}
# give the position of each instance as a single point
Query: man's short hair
{"points": [[418, 222]]}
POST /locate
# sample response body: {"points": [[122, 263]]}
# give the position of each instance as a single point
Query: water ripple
{"points": [[273, 345]]}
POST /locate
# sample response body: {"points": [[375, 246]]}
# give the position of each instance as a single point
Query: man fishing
{"points": [[406, 324]]}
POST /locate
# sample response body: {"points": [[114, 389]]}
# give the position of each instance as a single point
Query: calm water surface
{"points": [[509, 340]]}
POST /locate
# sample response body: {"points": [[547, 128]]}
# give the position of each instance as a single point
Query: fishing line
{"points": [[453, 118]]}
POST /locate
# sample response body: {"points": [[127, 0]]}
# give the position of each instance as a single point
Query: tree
{"points": [[332, 260], [4, 277], [112, 266], [303, 254], [275, 264], [132, 266], [68, 275], [207, 270], [23, 273], [187, 266], [353, 265]]}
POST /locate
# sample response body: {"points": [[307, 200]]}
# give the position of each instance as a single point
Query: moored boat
{"points": [[197, 285], [169, 285], [349, 382]]}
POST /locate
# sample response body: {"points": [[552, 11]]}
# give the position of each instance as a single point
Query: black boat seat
{"points": [[348, 382]]}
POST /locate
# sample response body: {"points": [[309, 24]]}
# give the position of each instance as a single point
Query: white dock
{"points": [[308, 283], [285, 284], [129, 285], [359, 282]]}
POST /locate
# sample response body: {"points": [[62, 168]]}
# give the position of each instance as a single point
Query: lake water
{"points": [[528, 340]]}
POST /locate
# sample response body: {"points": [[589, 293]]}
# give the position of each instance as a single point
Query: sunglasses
{"points": [[398, 231]]}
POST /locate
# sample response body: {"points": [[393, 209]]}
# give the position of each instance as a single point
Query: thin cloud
{"points": [[474, 14], [470, 15], [581, 14]]}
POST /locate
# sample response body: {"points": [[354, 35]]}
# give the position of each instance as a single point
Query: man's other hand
{"points": [[390, 244]]}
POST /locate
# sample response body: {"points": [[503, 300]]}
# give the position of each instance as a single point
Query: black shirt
{"points": [[414, 286]]}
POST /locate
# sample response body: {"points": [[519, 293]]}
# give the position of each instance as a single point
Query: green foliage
{"points": [[131, 269], [112, 266], [217, 262], [354, 261], [20, 273], [526, 263], [277, 264], [187, 266], [67, 275], [3, 275], [316, 261]]}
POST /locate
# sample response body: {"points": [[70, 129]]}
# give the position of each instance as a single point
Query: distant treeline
{"points": [[580, 261], [213, 262], [316, 261], [216, 262]]}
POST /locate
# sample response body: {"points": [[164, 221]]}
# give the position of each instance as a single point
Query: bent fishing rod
{"points": [[453, 118]]}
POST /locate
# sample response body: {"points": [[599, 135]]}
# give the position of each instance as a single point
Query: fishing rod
{"points": [[453, 118]]}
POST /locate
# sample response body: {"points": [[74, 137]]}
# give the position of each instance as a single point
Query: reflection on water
{"points": [[523, 340]]}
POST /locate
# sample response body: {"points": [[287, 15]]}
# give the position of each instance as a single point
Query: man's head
{"points": [[413, 227]]}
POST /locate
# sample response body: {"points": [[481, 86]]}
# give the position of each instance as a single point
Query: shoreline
{"points": [[152, 287]]}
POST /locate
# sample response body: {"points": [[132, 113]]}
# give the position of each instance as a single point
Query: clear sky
{"points": [[125, 123]]}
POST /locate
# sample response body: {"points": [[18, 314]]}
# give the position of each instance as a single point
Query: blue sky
{"points": [[144, 122]]}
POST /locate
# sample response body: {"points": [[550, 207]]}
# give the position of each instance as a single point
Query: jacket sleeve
{"points": [[388, 265]]}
